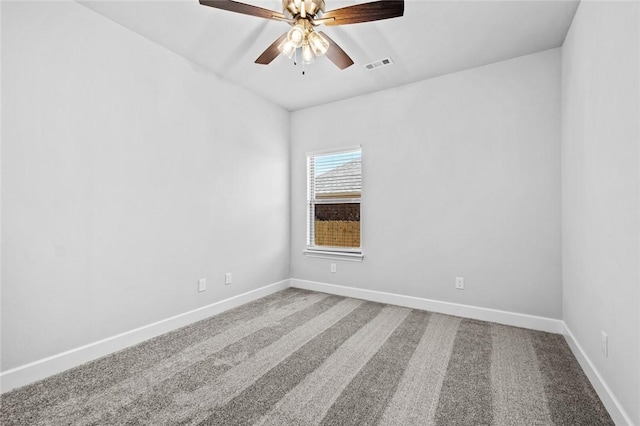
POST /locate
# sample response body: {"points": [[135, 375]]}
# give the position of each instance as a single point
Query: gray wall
{"points": [[128, 173], [601, 191], [461, 177]]}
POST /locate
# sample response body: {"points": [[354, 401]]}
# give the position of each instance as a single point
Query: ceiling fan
{"points": [[304, 16]]}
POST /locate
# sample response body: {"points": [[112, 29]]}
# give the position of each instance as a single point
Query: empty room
{"points": [[320, 212]]}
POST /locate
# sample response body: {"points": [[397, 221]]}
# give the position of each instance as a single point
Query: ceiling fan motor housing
{"points": [[293, 8]]}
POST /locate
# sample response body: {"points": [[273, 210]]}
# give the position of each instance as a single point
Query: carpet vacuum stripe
{"points": [[302, 358], [364, 400], [465, 395], [417, 396], [517, 389], [319, 390]]}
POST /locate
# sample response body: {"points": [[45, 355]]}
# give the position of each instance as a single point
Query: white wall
{"points": [[128, 173], [601, 191], [461, 177]]}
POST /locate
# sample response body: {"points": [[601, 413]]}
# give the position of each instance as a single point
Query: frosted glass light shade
{"points": [[287, 48], [307, 53], [318, 43], [296, 35]]}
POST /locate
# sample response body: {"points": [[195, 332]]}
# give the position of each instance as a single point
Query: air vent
{"points": [[377, 64]]}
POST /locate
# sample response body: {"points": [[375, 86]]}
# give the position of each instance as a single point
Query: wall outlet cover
{"points": [[604, 341]]}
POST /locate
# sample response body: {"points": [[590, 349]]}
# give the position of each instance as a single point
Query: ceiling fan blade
{"points": [[336, 54], [272, 51], [246, 9], [365, 12]]}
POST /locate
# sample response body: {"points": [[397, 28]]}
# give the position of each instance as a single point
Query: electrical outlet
{"points": [[604, 342], [227, 278], [202, 284], [460, 283], [333, 268]]}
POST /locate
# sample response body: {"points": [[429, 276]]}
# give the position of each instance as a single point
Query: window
{"points": [[333, 204]]}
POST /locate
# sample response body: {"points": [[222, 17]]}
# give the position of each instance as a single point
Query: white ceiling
{"points": [[431, 39]]}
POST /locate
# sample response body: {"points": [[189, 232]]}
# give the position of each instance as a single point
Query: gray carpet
{"points": [[304, 358]]}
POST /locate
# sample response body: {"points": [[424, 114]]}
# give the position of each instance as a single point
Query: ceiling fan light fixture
{"points": [[318, 43], [304, 16]]}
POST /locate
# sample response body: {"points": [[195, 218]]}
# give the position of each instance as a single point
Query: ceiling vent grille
{"points": [[377, 64]]}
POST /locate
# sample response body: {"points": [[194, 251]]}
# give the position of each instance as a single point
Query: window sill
{"points": [[352, 257]]}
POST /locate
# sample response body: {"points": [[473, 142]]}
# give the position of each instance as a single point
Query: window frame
{"points": [[331, 252]]}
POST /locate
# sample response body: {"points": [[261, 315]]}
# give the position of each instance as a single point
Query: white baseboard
{"points": [[485, 314], [49, 366], [611, 403]]}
